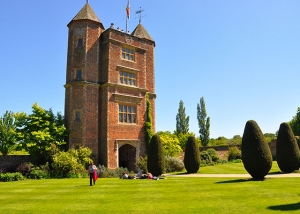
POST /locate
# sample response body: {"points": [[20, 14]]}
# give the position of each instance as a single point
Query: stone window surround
{"points": [[128, 53], [128, 114], [133, 142]]}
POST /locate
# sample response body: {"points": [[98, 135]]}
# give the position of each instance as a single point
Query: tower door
{"points": [[127, 157]]}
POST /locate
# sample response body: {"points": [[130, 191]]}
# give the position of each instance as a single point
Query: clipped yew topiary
{"points": [[192, 156], [156, 156], [287, 150], [256, 154]]}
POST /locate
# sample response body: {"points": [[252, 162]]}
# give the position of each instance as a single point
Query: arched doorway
{"points": [[127, 157]]}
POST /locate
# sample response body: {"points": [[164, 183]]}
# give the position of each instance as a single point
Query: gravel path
{"points": [[291, 175]]}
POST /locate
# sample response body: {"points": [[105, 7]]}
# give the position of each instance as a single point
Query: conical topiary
{"points": [[256, 154], [192, 156], [156, 156], [287, 150]]}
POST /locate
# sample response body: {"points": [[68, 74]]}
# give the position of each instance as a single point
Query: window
{"points": [[127, 114], [77, 116], [79, 43], [128, 54], [127, 78], [78, 74]]}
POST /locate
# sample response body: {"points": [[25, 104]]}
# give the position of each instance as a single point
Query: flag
{"points": [[128, 10]]}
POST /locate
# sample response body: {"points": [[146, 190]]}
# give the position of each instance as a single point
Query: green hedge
{"points": [[6, 177]]}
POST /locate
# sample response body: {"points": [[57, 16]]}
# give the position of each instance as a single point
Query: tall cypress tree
{"points": [[256, 154], [182, 121], [192, 156], [156, 156], [287, 151], [203, 122]]}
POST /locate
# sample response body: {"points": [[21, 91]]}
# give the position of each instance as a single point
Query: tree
{"points": [[287, 151], [39, 131], [183, 138], [182, 121], [8, 135], [295, 123], [156, 156], [192, 156], [148, 123], [170, 143], [256, 154], [203, 122]]}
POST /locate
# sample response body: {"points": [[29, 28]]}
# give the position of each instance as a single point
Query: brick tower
{"points": [[108, 75]]}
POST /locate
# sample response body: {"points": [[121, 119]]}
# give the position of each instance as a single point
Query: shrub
{"points": [[256, 154], [142, 163], [6, 177], [173, 164], [192, 156], [24, 168], [205, 158], [38, 174], [104, 172], [234, 153], [213, 154], [156, 157], [287, 151], [65, 163]]}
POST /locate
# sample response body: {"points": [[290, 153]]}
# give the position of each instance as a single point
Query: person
{"points": [[150, 176], [139, 174], [124, 175], [92, 173]]}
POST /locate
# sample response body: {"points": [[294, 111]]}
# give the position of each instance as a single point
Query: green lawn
{"points": [[171, 195], [233, 168]]}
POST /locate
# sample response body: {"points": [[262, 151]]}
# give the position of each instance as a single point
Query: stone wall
{"points": [[9, 163]]}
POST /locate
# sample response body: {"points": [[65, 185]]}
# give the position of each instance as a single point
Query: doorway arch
{"points": [[127, 157]]}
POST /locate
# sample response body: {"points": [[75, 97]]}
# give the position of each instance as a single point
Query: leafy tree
{"points": [[39, 130], [156, 156], [8, 136], [183, 138], [256, 154], [148, 123], [182, 121], [192, 156], [287, 151], [295, 123], [219, 141], [170, 143], [203, 122]]}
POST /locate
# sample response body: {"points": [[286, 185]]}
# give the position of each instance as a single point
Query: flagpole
{"points": [[126, 23], [127, 15]]}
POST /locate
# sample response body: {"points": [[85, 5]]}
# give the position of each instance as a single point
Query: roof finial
{"points": [[140, 14], [87, 1]]}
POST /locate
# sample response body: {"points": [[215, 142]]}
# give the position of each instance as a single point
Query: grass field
{"points": [[171, 195], [234, 168]]}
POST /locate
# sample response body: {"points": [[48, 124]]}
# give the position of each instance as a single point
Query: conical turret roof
{"points": [[141, 32], [86, 13]]}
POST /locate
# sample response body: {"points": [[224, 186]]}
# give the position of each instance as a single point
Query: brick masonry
{"points": [[11, 162]]}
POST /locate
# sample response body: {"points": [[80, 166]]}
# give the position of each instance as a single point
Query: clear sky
{"points": [[243, 57]]}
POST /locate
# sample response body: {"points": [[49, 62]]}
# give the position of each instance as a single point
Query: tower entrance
{"points": [[127, 157]]}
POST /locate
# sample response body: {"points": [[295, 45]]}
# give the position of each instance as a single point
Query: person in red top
{"points": [[92, 173]]}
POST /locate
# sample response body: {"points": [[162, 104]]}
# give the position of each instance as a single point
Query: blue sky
{"points": [[243, 57]]}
